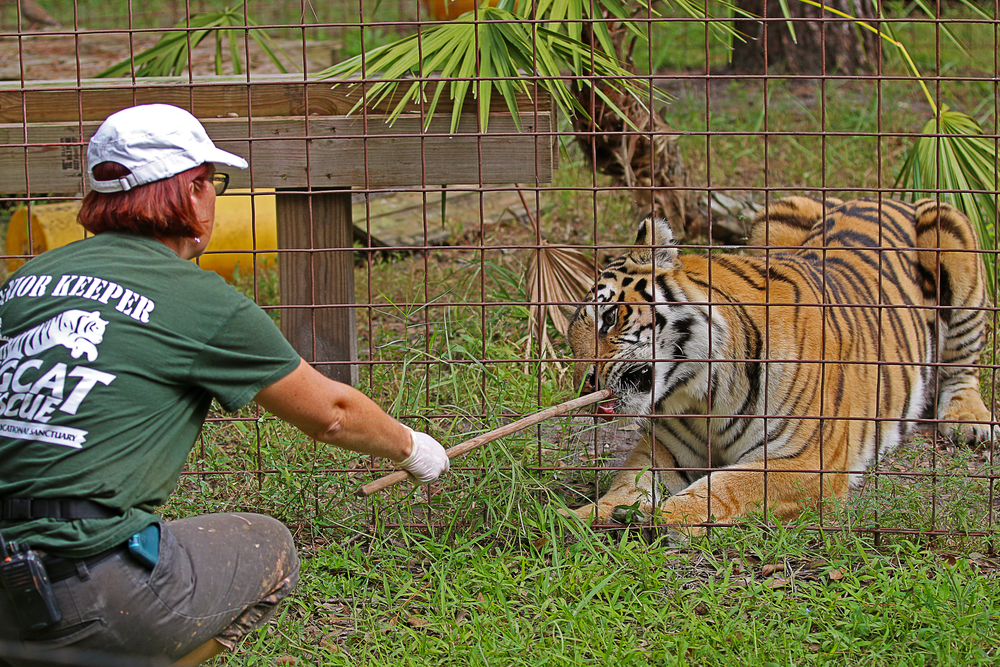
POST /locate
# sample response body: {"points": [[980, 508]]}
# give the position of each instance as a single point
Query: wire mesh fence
{"points": [[432, 253]]}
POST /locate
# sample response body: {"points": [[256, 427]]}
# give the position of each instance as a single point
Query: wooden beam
{"points": [[314, 274], [328, 151], [211, 97]]}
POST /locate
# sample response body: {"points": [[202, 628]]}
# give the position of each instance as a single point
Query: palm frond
{"points": [[721, 30], [555, 276], [954, 161], [171, 54], [509, 55], [787, 12]]}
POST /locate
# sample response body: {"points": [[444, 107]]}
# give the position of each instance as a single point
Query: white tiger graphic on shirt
{"points": [[77, 330]]}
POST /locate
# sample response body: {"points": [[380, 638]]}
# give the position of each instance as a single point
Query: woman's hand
{"points": [[427, 460]]}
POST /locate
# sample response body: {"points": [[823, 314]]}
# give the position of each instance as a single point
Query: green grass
{"points": [[481, 570], [821, 136], [332, 17], [555, 595]]}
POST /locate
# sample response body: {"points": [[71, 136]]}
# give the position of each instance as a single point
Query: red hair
{"points": [[160, 208]]}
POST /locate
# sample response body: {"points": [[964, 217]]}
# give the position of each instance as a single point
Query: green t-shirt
{"points": [[114, 349]]}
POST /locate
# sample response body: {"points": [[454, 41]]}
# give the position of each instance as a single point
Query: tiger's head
{"points": [[637, 327]]}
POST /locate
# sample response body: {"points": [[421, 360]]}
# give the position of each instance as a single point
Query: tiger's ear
{"points": [[656, 233]]}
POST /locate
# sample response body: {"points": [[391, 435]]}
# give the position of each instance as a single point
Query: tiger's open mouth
{"points": [[630, 385], [606, 409]]}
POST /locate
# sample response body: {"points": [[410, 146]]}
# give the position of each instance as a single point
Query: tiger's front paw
{"points": [[958, 428], [965, 407]]}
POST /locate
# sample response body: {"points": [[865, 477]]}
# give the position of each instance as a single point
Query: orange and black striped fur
{"points": [[841, 283]]}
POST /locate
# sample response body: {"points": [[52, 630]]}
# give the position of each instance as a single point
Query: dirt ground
{"points": [[51, 56]]}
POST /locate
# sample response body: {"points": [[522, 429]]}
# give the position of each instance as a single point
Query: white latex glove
{"points": [[427, 460]]}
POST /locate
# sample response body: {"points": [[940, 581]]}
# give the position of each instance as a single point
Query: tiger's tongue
{"points": [[606, 409]]}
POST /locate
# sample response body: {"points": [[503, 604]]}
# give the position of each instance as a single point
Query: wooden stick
{"points": [[467, 446]]}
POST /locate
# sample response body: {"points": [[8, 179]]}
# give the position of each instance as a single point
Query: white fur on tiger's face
{"points": [[711, 350]]}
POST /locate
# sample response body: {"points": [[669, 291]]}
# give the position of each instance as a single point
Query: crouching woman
{"points": [[115, 347]]}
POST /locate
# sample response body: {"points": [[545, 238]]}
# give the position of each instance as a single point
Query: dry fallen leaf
{"points": [[555, 275], [835, 574], [770, 569], [776, 582]]}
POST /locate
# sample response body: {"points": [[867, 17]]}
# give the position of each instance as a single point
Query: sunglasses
{"points": [[220, 182]]}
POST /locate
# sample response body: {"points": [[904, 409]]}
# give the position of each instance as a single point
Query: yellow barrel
{"points": [[239, 219], [52, 226]]}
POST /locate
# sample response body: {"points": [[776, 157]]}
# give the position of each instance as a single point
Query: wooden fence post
{"points": [[314, 273]]}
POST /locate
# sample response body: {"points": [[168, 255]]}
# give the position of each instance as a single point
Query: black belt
{"points": [[61, 509], [64, 568]]}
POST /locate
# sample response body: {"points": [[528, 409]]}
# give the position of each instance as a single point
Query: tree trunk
{"points": [[648, 161], [834, 46]]}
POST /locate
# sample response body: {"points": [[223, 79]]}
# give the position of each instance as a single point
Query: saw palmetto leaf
{"points": [[171, 54], [720, 30], [955, 162], [568, 16], [502, 52]]}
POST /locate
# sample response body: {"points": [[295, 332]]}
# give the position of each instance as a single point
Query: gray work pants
{"points": [[218, 576]]}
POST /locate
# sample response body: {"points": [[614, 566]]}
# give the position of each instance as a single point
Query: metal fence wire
{"points": [[432, 251]]}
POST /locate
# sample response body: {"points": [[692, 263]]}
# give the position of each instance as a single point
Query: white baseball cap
{"points": [[153, 141]]}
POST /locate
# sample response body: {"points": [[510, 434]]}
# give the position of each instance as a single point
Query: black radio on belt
{"points": [[23, 575]]}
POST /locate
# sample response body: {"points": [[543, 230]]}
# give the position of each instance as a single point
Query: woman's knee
{"points": [[258, 542]]}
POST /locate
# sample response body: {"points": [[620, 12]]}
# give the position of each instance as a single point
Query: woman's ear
{"points": [[203, 203]]}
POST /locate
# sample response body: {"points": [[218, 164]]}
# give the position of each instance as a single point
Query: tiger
{"points": [[832, 284], [77, 330]]}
